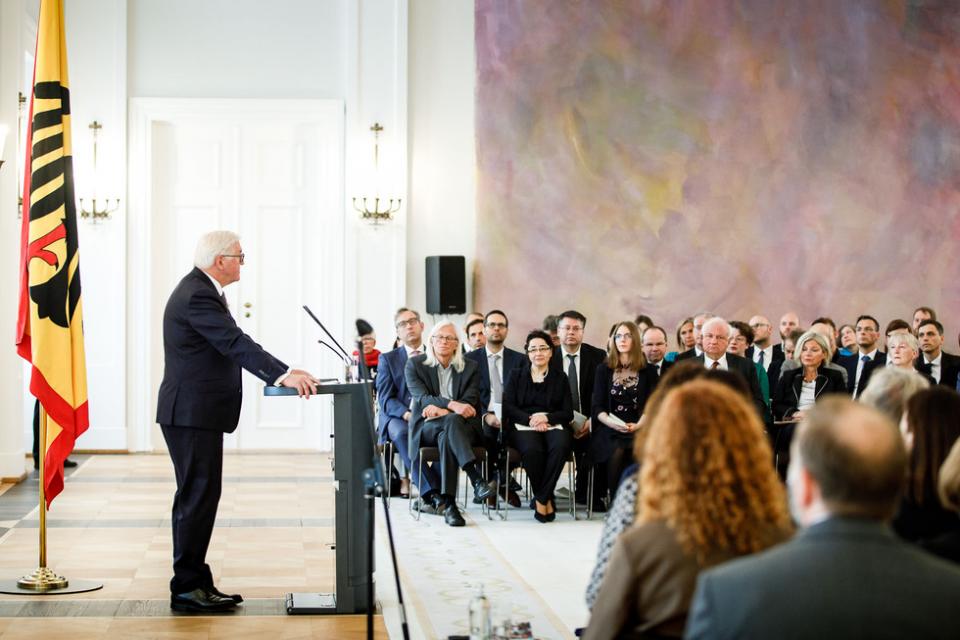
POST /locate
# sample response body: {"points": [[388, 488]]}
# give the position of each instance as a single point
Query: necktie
{"points": [[658, 368], [760, 359], [415, 353], [715, 365], [574, 383], [856, 383], [496, 384]]}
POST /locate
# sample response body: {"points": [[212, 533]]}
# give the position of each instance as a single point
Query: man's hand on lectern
{"points": [[305, 384]]}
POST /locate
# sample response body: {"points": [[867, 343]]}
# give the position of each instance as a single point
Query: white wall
{"points": [[442, 206]]}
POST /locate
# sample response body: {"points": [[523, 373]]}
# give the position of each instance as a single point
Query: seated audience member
{"points": [[893, 328], [789, 345], [930, 427], [715, 338], [368, 340], [580, 361], [697, 351], [828, 328], [620, 394], [707, 494], [654, 341], [943, 367], [393, 397], [799, 388], [902, 353], [741, 340], [920, 314], [891, 388], [789, 322], [868, 336], [845, 575], [763, 351], [494, 363], [947, 546], [827, 331], [623, 513], [475, 338], [550, 326], [848, 340], [536, 416], [643, 323], [446, 393], [685, 340]]}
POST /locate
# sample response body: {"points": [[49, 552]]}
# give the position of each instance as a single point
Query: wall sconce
{"points": [[376, 215], [94, 214]]}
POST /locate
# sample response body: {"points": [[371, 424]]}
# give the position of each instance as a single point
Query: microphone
{"points": [[329, 335], [335, 352]]}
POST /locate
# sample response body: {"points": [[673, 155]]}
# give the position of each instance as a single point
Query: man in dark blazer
{"points": [[495, 362], [943, 367], [763, 351], [579, 361], [393, 396], [845, 575], [715, 339], [199, 401], [654, 345], [697, 351], [868, 345], [445, 388]]}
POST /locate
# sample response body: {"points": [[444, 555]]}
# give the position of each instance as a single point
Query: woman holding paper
{"points": [[536, 409], [620, 393]]}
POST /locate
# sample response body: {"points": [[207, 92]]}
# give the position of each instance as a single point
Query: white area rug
{"points": [[540, 570]]}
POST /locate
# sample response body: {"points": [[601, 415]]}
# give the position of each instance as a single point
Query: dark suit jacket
{"points": [[424, 385], [841, 578], [949, 368], [511, 360], [850, 363], [690, 353], [748, 370], [392, 394], [787, 394], [203, 351], [776, 356], [522, 398], [664, 367], [590, 359]]}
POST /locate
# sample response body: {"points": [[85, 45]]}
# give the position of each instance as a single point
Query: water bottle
{"points": [[480, 617]]}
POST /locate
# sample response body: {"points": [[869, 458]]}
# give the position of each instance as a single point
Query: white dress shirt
{"points": [[708, 362], [491, 408], [935, 367], [767, 356]]}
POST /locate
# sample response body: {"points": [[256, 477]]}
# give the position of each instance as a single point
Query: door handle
{"points": [[247, 305]]}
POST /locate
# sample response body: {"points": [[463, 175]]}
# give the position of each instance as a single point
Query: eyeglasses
{"points": [[445, 338], [539, 349], [239, 256], [622, 336], [407, 323]]}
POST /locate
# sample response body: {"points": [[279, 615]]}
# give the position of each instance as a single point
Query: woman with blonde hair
{"points": [[707, 494], [620, 392]]}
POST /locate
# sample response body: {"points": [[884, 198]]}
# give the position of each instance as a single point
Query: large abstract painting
{"points": [[668, 156]]}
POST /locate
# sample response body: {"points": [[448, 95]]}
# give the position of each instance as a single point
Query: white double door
{"points": [[274, 173]]}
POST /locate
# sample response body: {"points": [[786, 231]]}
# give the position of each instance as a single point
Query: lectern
{"points": [[353, 452]]}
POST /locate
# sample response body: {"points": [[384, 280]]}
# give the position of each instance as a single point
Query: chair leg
{"points": [[590, 494], [388, 469], [571, 475]]}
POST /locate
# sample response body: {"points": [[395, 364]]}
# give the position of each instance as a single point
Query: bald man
{"points": [[845, 479]]}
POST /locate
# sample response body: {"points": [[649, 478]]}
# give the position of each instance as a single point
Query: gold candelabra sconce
{"points": [[369, 207], [100, 209]]}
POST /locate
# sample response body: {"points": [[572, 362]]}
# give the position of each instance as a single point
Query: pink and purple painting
{"points": [[741, 157]]}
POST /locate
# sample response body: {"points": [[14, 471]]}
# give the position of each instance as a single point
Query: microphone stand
{"points": [[373, 481]]}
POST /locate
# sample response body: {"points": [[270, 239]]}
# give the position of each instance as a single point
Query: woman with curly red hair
{"points": [[708, 493]]}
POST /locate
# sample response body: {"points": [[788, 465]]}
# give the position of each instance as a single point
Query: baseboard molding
{"points": [[17, 480], [109, 452]]}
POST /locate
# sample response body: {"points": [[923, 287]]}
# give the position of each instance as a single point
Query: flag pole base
{"points": [[43, 579], [75, 586]]}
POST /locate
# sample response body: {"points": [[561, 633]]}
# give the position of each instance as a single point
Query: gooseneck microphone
{"points": [[329, 335]]}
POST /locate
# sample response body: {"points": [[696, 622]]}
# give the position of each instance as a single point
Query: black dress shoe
{"points": [[439, 504], [483, 489], [424, 505], [236, 597], [515, 486], [541, 517], [201, 600], [69, 464], [452, 516]]}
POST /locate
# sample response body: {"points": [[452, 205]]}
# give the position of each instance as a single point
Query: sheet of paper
{"points": [[615, 420]]}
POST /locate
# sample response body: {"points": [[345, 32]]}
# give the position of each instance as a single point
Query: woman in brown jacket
{"points": [[708, 493]]}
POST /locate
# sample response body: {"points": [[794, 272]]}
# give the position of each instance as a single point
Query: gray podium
{"points": [[353, 450]]}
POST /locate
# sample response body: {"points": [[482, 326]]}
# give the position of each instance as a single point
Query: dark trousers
{"points": [[543, 455], [197, 456], [455, 437], [399, 433]]}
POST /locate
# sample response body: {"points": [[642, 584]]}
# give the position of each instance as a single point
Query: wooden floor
{"points": [[112, 524]]}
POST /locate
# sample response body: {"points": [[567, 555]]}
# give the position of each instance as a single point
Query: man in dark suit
{"points": [[868, 339], [199, 401], [495, 362], [789, 322], [943, 367], [445, 388], [579, 361], [654, 345], [716, 338], [763, 351], [697, 351], [845, 575], [393, 396]]}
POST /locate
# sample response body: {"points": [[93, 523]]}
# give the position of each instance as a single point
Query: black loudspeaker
{"points": [[446, 284]]}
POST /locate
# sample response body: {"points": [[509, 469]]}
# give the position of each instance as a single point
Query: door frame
{"points": [[144, 358]]}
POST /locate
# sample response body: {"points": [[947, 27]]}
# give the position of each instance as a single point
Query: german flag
{"points": [[50, 320]]}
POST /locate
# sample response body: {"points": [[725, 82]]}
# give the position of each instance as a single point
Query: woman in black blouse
{"points": [[536, 411], [620, 393]]}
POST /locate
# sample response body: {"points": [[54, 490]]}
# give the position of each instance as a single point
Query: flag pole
{"points": [[43, 579]]}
